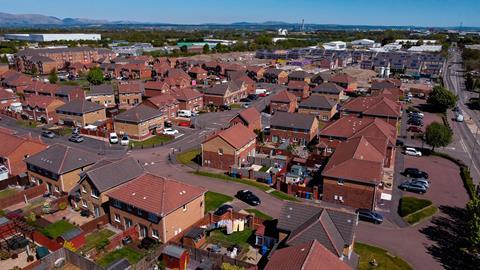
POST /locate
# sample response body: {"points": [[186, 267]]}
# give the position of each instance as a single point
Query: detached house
{"points": [[275, 75], [129, 94], [299, 88], [140, 122], [250, 118], [59, 167], [166, 103], [255, 72], [346, 81], [99, 179], [319, 106], [159, 207], [41, 108], [300, 75], [330, 91], [198, 73], [373, 107], [81, 113], [228, 147], [189, 99], [283, 101], [102, 94], [297, 127], [224, 94]]}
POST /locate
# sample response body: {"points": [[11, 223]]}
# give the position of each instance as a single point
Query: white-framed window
{"points": [[84, 203], [95, 193], [84, 190], [57, 189], [325, 117], [220, 151], [117, 218], [329, 150], [155, 234], [340, 182], [33, 179], [184, 208]]}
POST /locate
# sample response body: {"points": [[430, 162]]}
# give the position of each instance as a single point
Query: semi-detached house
{"points": [[140, 122], [297, 127]]}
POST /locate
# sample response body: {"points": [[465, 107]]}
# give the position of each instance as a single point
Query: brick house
{"points": [[350, 127], [99, 179], [102, 94], [275, 75], [177, 77], [354, 172], [299, 88], [63, 92], [329, 90], [59, 167], [140, 122], [7, 98], [319, 106], [130, 94], [166, 103], [330, 63], [228, 147], [189, 99], [346, 81], [250, 118], [297, 127], [155, 88], [160, 207], [255, 72], [15, 80], [15, 149], [240, 77], [41, 108], [283, 101], [81, 113], [300, 75], [198, 73], [373, 107], [225, 93]]}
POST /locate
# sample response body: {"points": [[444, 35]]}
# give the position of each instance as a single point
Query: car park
{"points": [[413, 187], [247, 196], [422, 181], [410, 151], [48, 134], [415, 122], [369, 215], [76, 138], [414, 129], [223, 209], [113, 138], [416, 114], [125, 140], [415, 173]]}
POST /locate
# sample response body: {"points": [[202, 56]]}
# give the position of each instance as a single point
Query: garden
{"points": [[376, 258], [414, 210], [213, 200], [126, 252]]}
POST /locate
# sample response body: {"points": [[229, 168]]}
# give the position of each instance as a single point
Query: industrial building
{"points": [[52, 37]]}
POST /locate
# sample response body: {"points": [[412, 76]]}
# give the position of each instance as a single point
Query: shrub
{"points": [[62, 205], [100, 245], [4, 255]]}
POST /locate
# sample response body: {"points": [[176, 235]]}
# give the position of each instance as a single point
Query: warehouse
{"points": [[52, 37]]}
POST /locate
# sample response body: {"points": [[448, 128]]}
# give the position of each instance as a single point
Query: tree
{"points": [[473, 224], [469, 82], [438, 135], [184, 49], [53, 78], [442, 99], [34, 70], [206, 49], [95, 76]]}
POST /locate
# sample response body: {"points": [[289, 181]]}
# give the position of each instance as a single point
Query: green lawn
{"points": [[408, 205], [283, 196], [56, 229], [95, 237], [259, 214], [26, 123], [155, 140], [236, 106], [264, 169], [385, 260], [7, 193], [126, 252], [214, 200], [188, 157], [236, 238], [418, 216]]}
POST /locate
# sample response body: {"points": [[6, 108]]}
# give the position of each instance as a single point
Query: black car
{"points": [[222, 210], [48, 134], [415, 122], [370, 216], [415, 173], [413, 187], [400, 143], [248, 197], [225, 107], [252, 97]]}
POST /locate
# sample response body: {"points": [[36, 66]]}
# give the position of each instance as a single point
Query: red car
{"points": [[184, 124], [262, 95], [414, 129]]}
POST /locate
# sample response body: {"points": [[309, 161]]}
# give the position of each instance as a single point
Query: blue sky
{"points": [[369, 12]]}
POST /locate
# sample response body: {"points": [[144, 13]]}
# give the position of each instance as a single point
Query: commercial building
{"points": [[53, 37]]}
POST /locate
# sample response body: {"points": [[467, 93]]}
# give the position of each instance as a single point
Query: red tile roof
{"points": [[283, 96], [156, 85], [186, 94], [38, 101], [237, 136], [310, 255], [342, 78], [6, 95], [359, 159], [297, 84], [12, 143], [156, 194], [163, 99], [197, 70], [128, 88], [250, 115], [376, 106]]}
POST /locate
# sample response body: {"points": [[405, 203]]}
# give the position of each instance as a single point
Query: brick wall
{"points": [[20, 196], [94, 224], [352, 194], [45, 241]]}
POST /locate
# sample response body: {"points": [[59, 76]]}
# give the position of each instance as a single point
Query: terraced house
{"points": [[296, 127], [159, 207]]}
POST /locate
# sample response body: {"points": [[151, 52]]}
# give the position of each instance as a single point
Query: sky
{"points": [[363, 12]]}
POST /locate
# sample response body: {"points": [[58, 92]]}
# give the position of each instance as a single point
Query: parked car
{"points": [[422, 181], [399, 143], [169, 131], [415, 122], [76, 138], [248, 197], [459, 117], [113, 138], [414, 129], [410, 151], [48, 134], [168, 123], [125, 140], [413, 187], [417, 114], [252, 97], [76, 130], [415, 173], [246, 105], [185, 113], [225, 107], [222, 209], [245, 100], [369, 215]]}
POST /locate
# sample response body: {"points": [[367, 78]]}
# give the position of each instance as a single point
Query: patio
{"points": [[69, 214]]}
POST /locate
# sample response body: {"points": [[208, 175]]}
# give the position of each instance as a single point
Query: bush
{"points": [[467, 181], [4, 255], [100, 245], [62, 206]]}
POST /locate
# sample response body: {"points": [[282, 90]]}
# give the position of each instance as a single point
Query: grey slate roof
{"points": [[221, 89], [107, 174], [299, 74], [138, 114], [80, 106], [328, 88], [99, 90], [173, 251], [317, 102], [61, 159], [292, 120]]}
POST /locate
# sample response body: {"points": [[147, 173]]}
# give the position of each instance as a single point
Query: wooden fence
{"points": [[19, 197]]}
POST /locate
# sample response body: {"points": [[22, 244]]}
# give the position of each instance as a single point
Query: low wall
{"points": [[94, 224], [45, 241], [20, 196], [14, 181]]}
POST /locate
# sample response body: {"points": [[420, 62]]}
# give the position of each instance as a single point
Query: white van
{"points": [[185, 113], [459, 117]]}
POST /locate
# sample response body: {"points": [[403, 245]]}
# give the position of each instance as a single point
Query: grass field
{"points": [[385, 260], [151, 142], [188, 157], [259, 214], [418, 216], [27, 124], [126, 252], [410, 205], [213, 200], [58, 228]]}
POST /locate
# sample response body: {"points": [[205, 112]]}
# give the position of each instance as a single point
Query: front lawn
{"points": [[26, 123], [259, 214], [7, 193], [94, 238], [126, 252], [408, 205], [385, 260], [422, 214], [188, 157], [213, 200], [58, 228], [236, 106], [236, 238], [150, 142]]}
